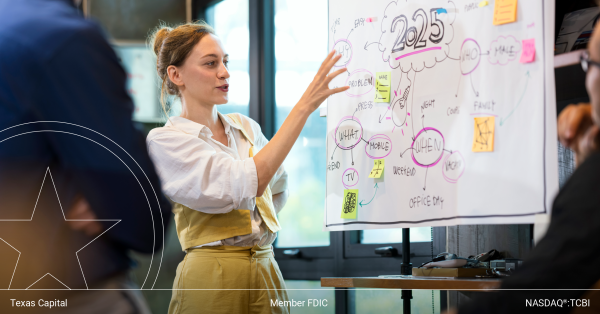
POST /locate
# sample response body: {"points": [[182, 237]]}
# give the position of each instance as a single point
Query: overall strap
{"points": [[264, 203], [236, 120]]}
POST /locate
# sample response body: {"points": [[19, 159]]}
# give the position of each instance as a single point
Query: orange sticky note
{"points": [[483, 134], [528, 51], [505, 11]]}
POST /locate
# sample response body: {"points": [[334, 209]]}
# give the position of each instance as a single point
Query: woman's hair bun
{"points": [[172, 46], [159, 37]]}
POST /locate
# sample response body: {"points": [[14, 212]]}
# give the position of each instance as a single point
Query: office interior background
{"points": [[275, 48]]}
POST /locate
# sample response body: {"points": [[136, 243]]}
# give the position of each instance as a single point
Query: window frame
{"points": [[353, 247], [346, 257], [262, 64]]}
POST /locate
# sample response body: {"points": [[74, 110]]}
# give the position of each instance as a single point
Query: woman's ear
{"points": [[175, 75]]}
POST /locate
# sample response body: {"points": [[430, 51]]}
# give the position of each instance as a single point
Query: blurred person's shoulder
{"points": [[580, 193], [43, 27]]}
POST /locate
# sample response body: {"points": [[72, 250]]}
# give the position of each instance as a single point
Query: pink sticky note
{"points": [[528, 51]]}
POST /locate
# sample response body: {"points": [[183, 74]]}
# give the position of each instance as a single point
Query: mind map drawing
{"points": [[463, 113]]}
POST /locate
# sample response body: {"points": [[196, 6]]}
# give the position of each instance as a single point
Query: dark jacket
{"points": [[566, 258], [65, 130]]}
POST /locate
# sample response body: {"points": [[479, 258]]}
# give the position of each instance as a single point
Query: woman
{"points": [[225, 178]]}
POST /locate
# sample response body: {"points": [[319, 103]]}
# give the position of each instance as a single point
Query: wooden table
{"points": [[412, 283]]}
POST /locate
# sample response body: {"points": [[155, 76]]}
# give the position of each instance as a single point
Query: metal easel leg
{"points": [[406, 268]]}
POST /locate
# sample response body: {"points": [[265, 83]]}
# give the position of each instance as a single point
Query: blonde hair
{"points": [[172, 46]]}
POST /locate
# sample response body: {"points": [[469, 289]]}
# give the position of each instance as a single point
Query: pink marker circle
{"points": [[347, 118], [357, 178]]}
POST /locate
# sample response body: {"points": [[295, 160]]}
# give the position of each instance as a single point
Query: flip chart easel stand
{"points": [[406, 268]]}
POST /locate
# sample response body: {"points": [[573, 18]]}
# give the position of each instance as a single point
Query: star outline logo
{"points": [[46, 174]]}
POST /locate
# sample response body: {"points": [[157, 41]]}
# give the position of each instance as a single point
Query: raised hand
{"points": [[319, 90], [268, 159]]}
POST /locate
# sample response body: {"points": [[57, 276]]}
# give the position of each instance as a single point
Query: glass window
{"points": [[422, 234], [139, 63], [229, 18], [304, 290], [300, 47]]}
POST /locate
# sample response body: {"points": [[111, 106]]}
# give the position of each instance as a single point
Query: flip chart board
{"points": [[457, 100]]}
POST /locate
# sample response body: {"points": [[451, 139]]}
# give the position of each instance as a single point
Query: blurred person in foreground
{"points": [[78, 190], [568, 255]]}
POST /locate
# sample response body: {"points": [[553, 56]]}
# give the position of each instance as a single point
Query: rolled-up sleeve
{"points": [[279, 182], [195, 175]]}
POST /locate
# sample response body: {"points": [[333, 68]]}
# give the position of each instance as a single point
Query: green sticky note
{"points": [[350, 204], [383, 82], [378, 165]]}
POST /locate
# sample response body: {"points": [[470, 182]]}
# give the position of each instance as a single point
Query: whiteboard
{"points": [[140, 64], [457, 85]]}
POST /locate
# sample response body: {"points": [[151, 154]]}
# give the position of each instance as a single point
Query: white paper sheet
{"points": [[449, 65]]}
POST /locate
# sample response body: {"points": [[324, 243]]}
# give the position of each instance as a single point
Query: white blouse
{"points": [[203, 174]]}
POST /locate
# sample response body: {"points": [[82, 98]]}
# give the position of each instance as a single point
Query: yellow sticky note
{"points": [[350, 204], [383, 81], [483, 4], [505, 11], [483, 134], [378, 166]]}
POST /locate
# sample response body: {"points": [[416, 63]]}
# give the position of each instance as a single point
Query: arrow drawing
{"points": [[474, 91], [522, 95], [361, 202], [402, 153], [349, 34], [367, 44]]}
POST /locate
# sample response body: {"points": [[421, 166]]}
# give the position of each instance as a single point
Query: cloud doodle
{"points": [[416, 35], [503, 50]]}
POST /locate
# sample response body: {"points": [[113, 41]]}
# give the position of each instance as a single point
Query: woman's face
{"points": [[204, 73]]}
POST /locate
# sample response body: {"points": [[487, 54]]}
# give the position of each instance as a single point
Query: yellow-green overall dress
{"points": [[226, 279]]}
